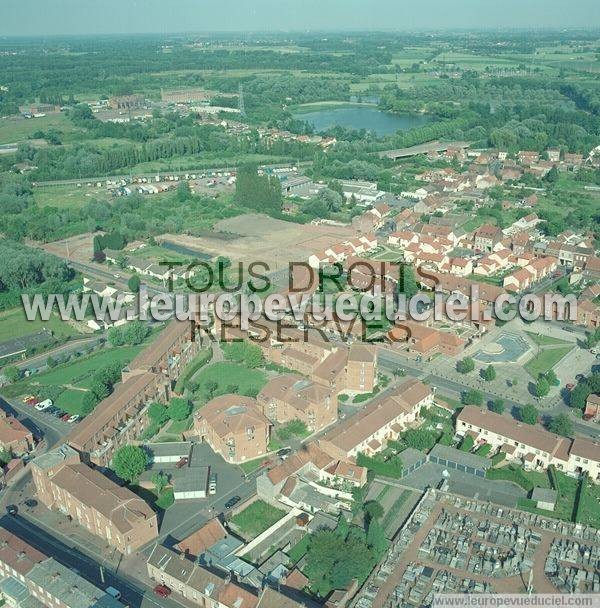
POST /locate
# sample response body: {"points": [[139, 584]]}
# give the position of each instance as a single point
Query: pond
{"points": [[363, 117]]}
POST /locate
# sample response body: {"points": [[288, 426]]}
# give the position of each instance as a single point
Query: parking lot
{"points": [[186, 516]]}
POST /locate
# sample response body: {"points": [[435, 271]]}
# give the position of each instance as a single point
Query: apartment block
{"points": [[292, 397], [235, 427], [121, 417], [107, 510]]}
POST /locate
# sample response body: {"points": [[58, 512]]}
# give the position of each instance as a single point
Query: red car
{"points": [[182, 463], [162, 591]]}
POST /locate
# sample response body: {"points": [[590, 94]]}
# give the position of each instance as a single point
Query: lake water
{"points": [[366, 117]]}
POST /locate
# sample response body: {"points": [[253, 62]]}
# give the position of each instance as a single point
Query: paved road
{"points": [[39, 423], [127, 178], [391, 361], [135, 592]]}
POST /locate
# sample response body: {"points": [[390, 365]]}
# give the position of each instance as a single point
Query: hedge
{"points": [[579, 498], [200, 361]]}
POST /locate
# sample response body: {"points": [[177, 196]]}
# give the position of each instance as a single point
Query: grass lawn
{"points": [[542, 340], [251, 465], [14, 324], [298, 551], [231, 375], [80, 371], [256, 518], [546, 360], [179, 426], [71, 401], [589, 511]]}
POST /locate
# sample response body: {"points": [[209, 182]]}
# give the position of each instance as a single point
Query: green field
{"points": [[545, 360], [80, 372], [15, 129], [229, 375], [542, 340], [256, 518], [70, 196], [14, 324]]}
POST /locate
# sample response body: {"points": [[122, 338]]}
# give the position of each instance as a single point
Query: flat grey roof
{"points": [[544, 494], [55, 457], [410, 456], [459, 457], [158, 450], [190, 479]]}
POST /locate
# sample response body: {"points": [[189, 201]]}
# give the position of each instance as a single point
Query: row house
{"points": [[114, 513], [588, 314], [530, 445], [527, 157], [461, 267], [494, 262], [31, 578], [451, 284], [385, 418], [525, 277], [15, 437], [213, 588], [235, 427]]}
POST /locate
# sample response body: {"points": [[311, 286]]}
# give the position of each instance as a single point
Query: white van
{"points": [[113, 592]]}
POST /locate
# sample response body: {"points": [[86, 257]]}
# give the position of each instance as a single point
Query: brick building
{"points": [[292, 397], [121, 417], [107, 510], [235, 427]]}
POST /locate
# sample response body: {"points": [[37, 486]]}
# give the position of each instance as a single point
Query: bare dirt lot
{"points": [[78, 248], [254, 237]]}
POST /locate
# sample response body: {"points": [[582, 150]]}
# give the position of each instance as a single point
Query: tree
{"points": [[407, 284], [333, 562], [179, 408], [552, 378], [472, 397], [489, 373], [11, 373], [160, 481], [134, 283], [129, 462], [376, 538], [157, 412], [211, 386], [419, 439], [373, 509], [528, 414], [497, 405], [561, 425], [542, 387], [466, 365], [183, 191], [51, 362]]}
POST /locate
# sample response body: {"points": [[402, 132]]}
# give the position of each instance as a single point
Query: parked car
{"points": [[232, 502], [31, 503], [65, 417], [28, 398], [12, 509], [212, 484], [283, 453], [73, 418], [162, 591], [59, 413], [182, 462], [43, 405]]}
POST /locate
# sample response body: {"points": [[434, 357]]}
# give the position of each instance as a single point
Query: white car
{"points": [[42, 405], [73, 418]]}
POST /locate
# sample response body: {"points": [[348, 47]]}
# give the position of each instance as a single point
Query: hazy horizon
{"points": [[83, 17]]}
